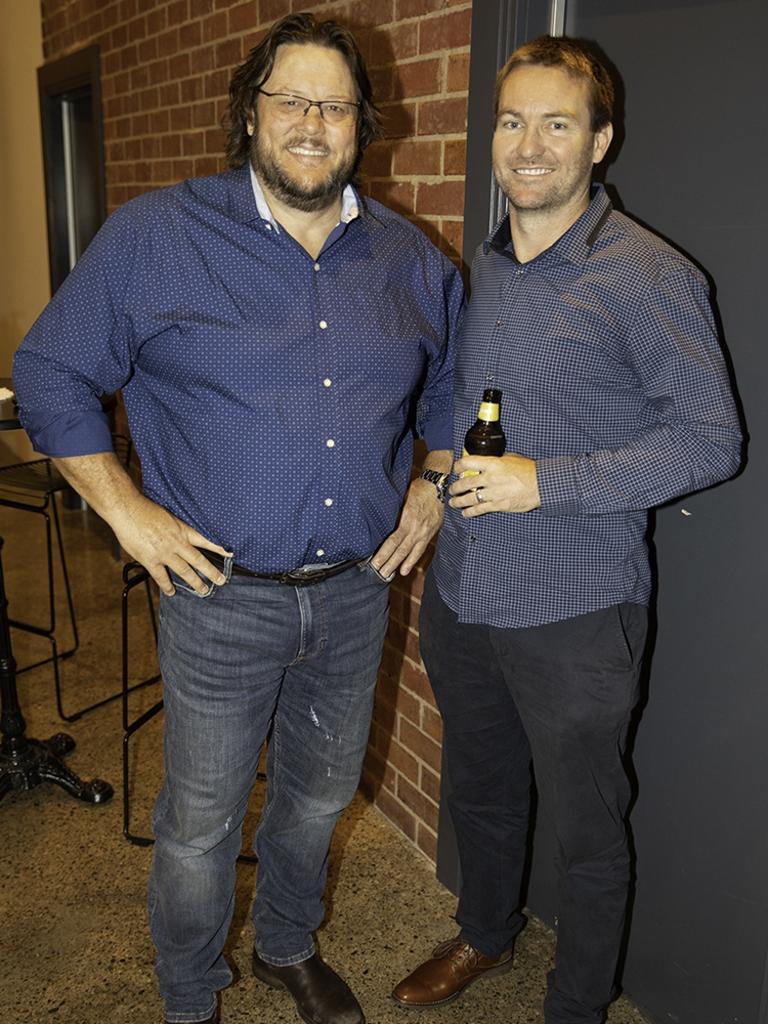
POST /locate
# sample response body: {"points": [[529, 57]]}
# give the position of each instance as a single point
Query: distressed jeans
{"points": [[256, 653]]}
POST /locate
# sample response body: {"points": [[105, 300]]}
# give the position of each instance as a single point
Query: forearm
{"points": [[440, 460], [103, 482]]}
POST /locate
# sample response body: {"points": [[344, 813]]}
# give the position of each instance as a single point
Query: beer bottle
{"points": [[485, 436]]}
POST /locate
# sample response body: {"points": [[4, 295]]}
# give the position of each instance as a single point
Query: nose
{"points": [[529, 144], [313, 119]]}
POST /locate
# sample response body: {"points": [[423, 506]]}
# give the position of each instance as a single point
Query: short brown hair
{"points": [[572, 56], [302, 29]]}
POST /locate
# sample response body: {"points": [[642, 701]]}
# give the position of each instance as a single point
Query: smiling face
{"points": [[305, 164], [543, 145]]}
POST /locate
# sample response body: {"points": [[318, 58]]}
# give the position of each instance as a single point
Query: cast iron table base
{"points": [[24, 762]]}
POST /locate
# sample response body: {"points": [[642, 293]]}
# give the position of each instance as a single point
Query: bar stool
{"points": [[32, 487]]}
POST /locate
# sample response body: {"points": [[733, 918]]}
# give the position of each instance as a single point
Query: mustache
{"points": [[304, 140]]}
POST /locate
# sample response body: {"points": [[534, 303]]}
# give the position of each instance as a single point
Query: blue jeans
{"points": [[560, 696], [251, 654]]}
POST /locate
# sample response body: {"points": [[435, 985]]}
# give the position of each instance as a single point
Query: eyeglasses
{"points": [[289, 108]]}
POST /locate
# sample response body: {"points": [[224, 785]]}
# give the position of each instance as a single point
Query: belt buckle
{"points": [[297, 578]]}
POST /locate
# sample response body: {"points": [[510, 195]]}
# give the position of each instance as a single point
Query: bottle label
{"points": [[468, 472], [488, 411]]}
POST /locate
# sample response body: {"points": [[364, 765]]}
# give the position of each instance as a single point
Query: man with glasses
{"points": [[278, 341]]}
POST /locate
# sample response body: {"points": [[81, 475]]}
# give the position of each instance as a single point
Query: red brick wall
{"points": [[165, 71]]}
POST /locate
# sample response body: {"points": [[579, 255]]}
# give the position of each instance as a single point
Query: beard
{"points": [[308, 198], [553, 197]]}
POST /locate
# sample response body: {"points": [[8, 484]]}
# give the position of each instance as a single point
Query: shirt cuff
{"points": [[75, 432], [558, 486], [438, 432]]}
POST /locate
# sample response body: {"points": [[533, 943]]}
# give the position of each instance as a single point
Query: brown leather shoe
{"points": [[454, 966]]}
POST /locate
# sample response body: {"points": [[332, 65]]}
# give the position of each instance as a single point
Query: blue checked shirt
{"points": [[272, 398], [613, 380]]}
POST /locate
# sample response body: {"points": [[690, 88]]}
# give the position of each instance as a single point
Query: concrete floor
{"points": [[75, 947]]}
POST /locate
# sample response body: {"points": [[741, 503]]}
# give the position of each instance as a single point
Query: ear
{"points": [[249, 124], [603, 137]]}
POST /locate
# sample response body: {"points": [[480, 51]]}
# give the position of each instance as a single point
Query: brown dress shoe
{"points": [[454, 965]]}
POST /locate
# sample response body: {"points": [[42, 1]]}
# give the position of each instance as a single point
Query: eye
{"points": [[558, 126], [335, 108], [289, 103], [509, 123]]}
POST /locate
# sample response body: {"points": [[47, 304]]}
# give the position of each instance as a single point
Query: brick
{"points": [[180, 118], [442, 197], [203, 115], [178, 12], [419, 743], [215, 141], [156, 20], [377, 162], [429, 783], [408, 706], [129, 56], [203, 59], [403, 41], [168, 43], [432, 723], [190, 35], [424, 808], [398, 195], [137, 29], [161, 171], [399, 119], [458, 72], [426, 840], [179, 66], [150, 147], [229, 53], [419, 78], [183, 169], [193, 143], [197, 8], [445, 31], [453, 238], [455, 156], [271, 10], [415, 8], [413, 677], [215, 26], [170, 94], [191, 90], [205, 165], [382, 83], [373, 12], [244, 17], [159, 121], [403, 761], [391, 808], [442, 117]]}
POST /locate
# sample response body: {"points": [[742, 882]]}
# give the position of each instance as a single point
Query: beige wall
{"points": [[24, 285]]}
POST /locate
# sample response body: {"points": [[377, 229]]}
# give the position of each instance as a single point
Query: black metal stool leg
{"points": [[24, 762]]}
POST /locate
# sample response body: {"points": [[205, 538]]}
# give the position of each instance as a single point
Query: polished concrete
{"points": [[75, 947]]}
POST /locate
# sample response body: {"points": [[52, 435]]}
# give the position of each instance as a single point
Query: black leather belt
{"points": [[294, 578]]}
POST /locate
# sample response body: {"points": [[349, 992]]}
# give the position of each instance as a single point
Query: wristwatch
{"points": [[440, 480]]}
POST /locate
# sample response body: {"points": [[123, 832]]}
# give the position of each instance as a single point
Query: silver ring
{"points": [[478, 495]]}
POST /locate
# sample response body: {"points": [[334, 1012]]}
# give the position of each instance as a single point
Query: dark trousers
{"points": [[559, 695]]}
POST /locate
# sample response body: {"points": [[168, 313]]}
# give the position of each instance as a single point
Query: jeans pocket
{"points": [[367, 566], [210, 586]]}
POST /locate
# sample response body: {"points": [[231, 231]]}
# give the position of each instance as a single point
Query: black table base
{"points": [[24, 762]]}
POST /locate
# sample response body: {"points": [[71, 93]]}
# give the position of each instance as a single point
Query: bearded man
{"points": [[278, 341]]}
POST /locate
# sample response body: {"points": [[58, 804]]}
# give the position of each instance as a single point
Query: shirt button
{"points": [[328, 502], [327, 382], [317, 266], [323, 325], [330, 443], [319, 552]]}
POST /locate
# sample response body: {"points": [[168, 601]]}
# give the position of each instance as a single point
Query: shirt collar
{"points": [[350, 208], [576, 243]]}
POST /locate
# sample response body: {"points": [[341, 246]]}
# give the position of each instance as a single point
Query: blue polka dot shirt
{"points": [[273, 398]]}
